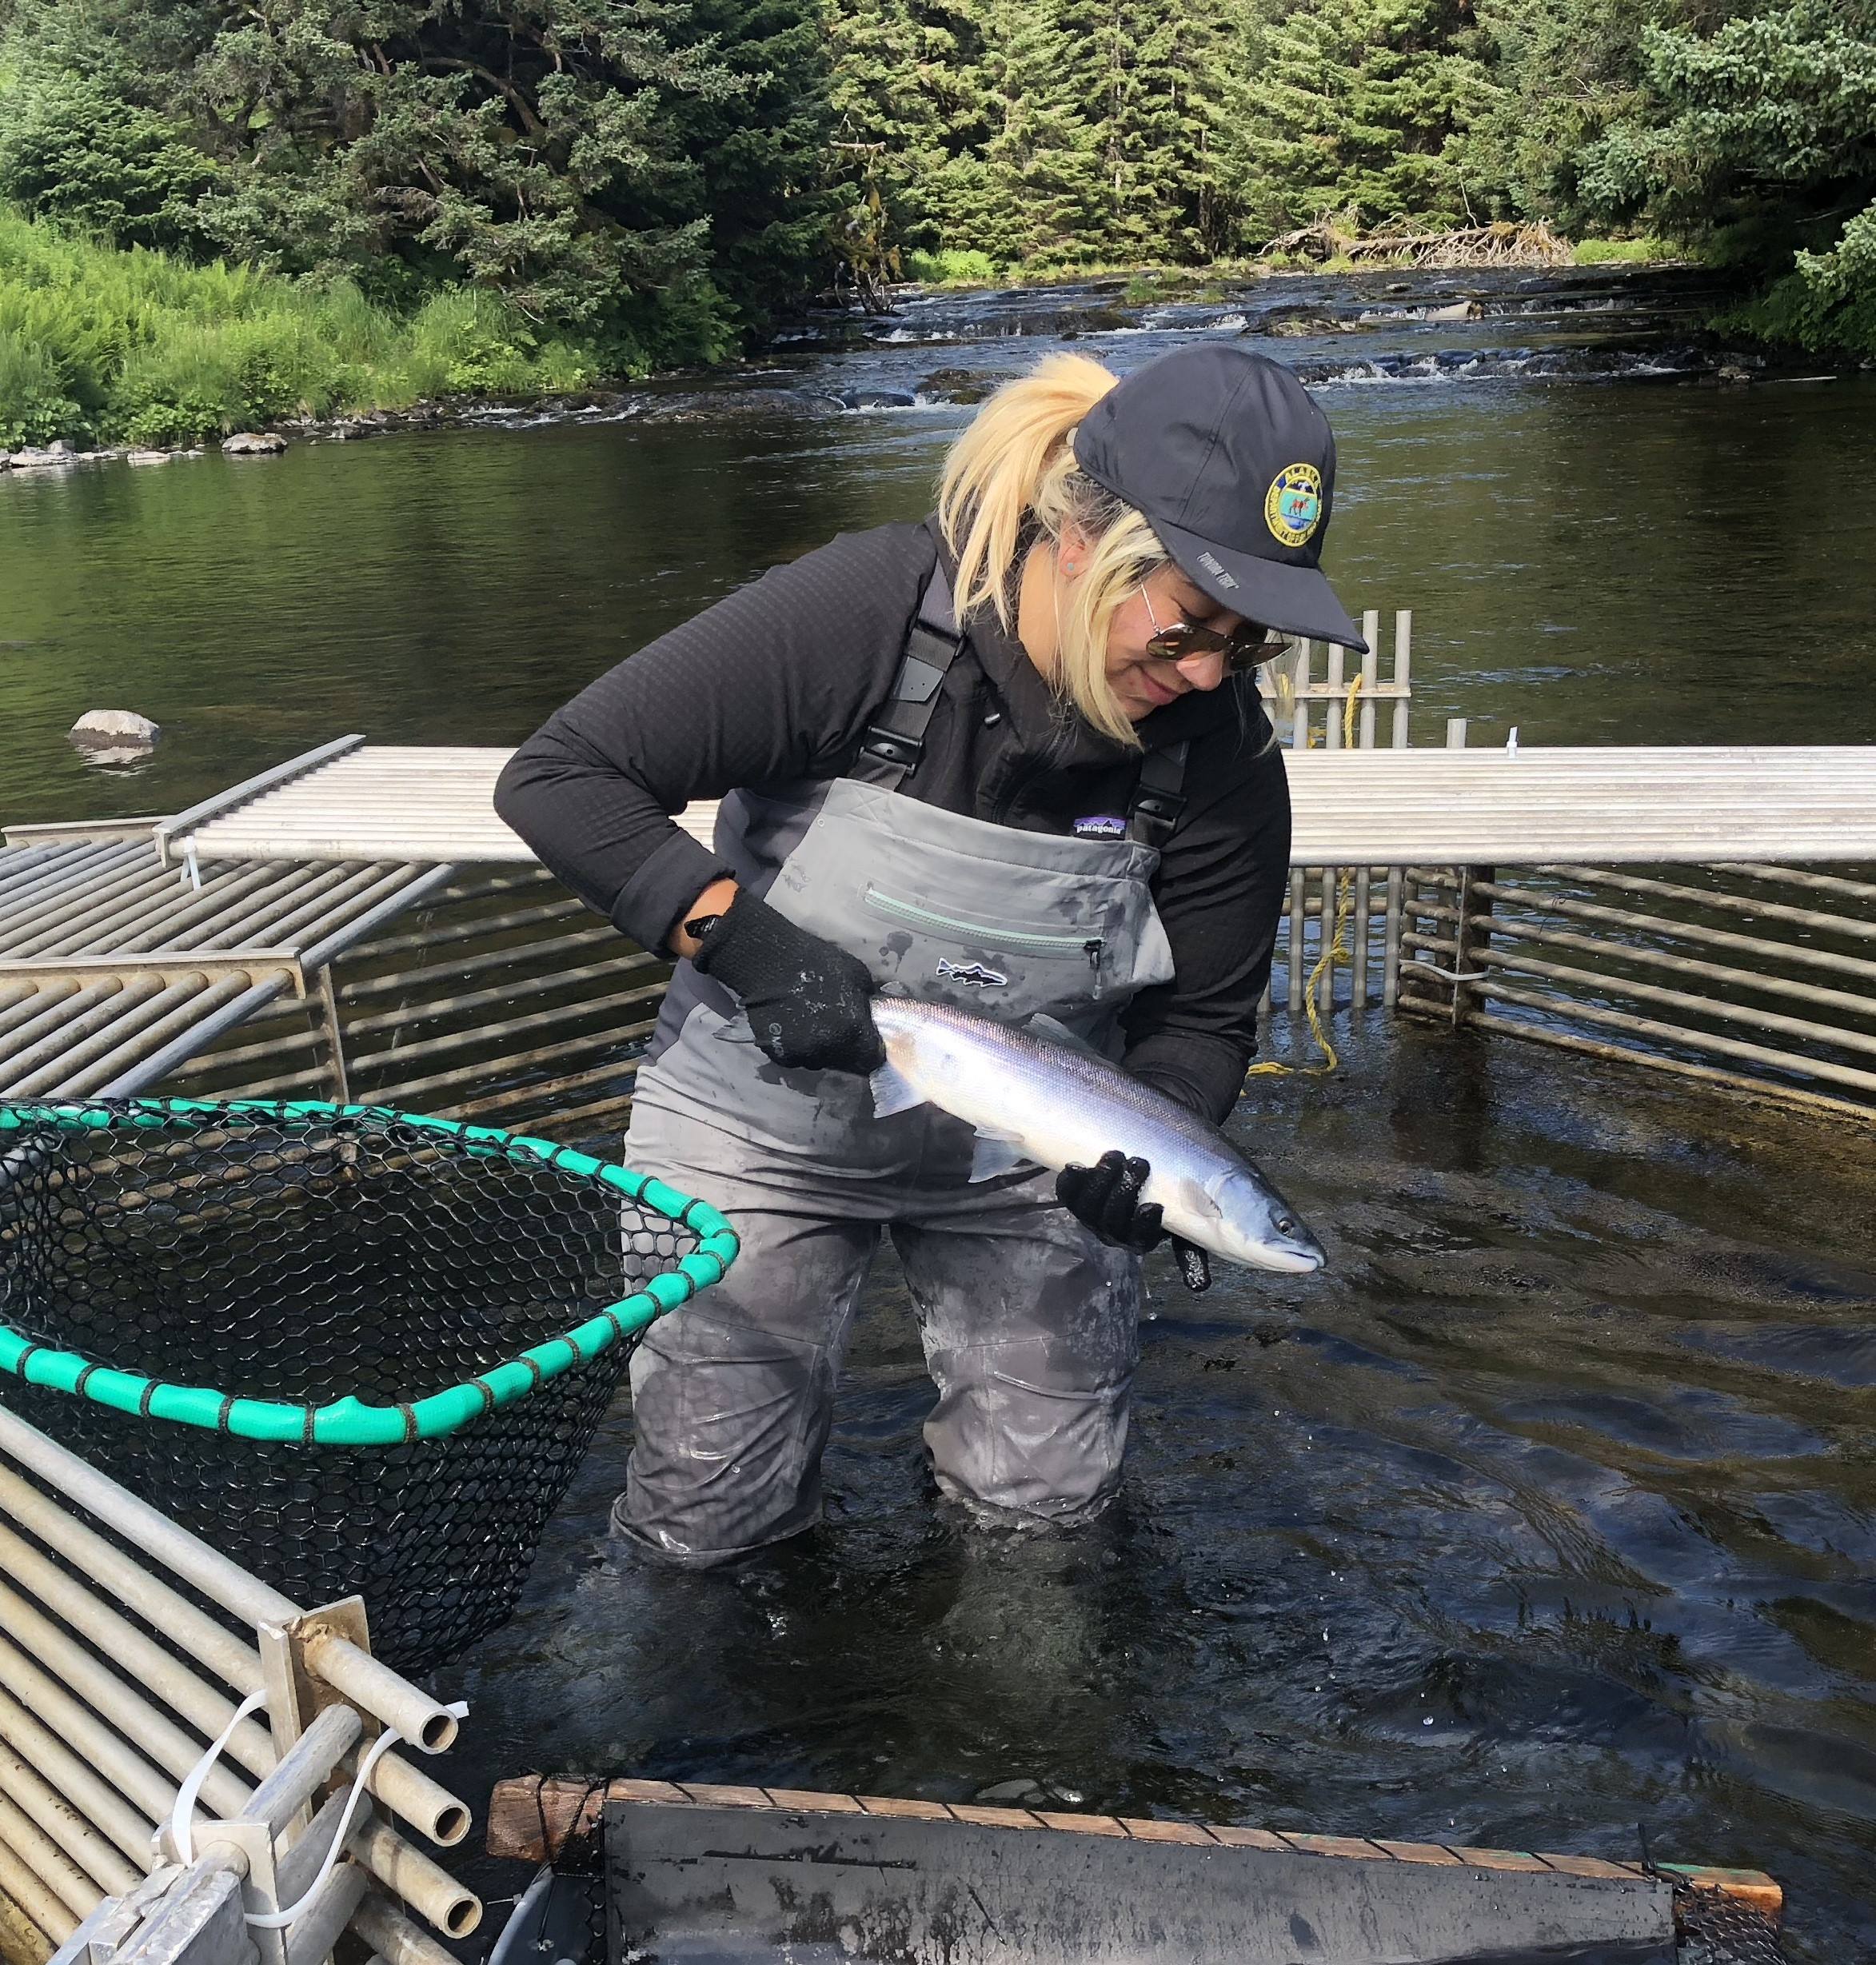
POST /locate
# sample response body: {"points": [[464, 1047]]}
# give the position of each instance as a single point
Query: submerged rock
{"points": [[875, 398], [149, 456], [963, 385], [114, 737], [253, 443]]}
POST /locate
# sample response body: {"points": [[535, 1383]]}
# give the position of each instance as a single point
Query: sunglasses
{"points": [[1246, 647]]}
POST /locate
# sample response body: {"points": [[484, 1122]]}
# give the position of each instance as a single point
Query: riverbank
{"points": [[140, 350]]}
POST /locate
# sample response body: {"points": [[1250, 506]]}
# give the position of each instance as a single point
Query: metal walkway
{"points": [[115, 969], [351, 800]]}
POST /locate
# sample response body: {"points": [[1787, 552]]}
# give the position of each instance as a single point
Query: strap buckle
{"points": [[888, 747]]}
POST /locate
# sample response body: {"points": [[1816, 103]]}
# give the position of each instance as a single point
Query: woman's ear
{"points": [[1072, 551]]}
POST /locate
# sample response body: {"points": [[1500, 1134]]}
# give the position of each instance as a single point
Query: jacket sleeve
{"points": [[774, 682], [1219, 891]]}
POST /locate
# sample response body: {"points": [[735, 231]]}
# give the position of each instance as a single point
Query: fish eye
{"points": [[1286, 1225]]}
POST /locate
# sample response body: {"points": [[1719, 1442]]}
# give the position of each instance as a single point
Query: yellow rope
{"points": [[1335, 948]]}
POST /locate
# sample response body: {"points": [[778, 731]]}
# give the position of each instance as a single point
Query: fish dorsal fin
{"points": [[1050, 1032], [991, 1156], [892, 1093]]}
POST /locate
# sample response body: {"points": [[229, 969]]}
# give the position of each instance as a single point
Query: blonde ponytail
{"points": [[1012, 480]]}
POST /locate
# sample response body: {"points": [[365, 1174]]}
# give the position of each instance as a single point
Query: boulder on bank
{"points": [[253, 443], [54, 456], [115, 730]]}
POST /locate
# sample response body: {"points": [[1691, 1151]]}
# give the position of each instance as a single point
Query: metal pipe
{"points": [[414, 1795], [57, 1818], [1296, 932], [1690, 1039], [426, 1886], [1404, 666], [1714, 897], [163, 1674], [130, 898], [1541, 932], [578, 1121], [1678, 1067], [59, 873], [1666, 925], [462, 931], [20, 1939], [510, 1027], [412, 894], [290, 896], [549, 950], [304, 1768], [187, 1017], [29, 997], [152, 1534], [549, 1089], [126, 1770], [134, 1717], [359, 883], [1799, 876], [30, 927], [47, 1034], [168, 832], [389, 1932], [153, 1070], [318, 1928], [1664, 998], [1358, 967], [357, 1675], [517, 991], [310, 1081], [226, 910], [287, 1041], [50, 1758], [179, 906], [22, 1883], [140, 1007], [416, 1089], [47, 1861]]}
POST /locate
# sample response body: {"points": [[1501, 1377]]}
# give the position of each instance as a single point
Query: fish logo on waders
{"points": [[974, 974]]}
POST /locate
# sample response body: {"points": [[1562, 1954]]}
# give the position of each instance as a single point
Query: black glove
{"points": [[806, 999], [1106, 1197]]}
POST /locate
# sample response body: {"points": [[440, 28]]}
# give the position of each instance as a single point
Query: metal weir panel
{"points": [[1353, 807], [114, 968]]}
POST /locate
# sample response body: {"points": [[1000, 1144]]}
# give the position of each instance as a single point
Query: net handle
{"points": [[348, 1422]]}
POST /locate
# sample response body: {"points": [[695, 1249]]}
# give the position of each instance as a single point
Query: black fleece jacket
{"points": [[780, 680]]}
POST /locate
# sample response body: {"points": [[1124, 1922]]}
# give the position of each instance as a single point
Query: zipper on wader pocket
{"points": [[1093, 947]]}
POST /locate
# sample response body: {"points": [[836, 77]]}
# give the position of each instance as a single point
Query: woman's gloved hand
{"points": [[806, 999], [1106, 1197]]}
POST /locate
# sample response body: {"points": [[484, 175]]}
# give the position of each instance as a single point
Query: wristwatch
{"points": [[699, 927]]}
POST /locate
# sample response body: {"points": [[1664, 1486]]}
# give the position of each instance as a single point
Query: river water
{"points": [[1551, 1509]]}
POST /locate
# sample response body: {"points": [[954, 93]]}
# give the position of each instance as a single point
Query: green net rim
{"points": [[348, 1422]]}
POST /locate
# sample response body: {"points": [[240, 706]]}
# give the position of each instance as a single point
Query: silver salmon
{"points": [[1051, 1099]]}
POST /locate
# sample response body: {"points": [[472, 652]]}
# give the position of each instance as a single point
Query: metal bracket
{"points": [[260, 1892]]}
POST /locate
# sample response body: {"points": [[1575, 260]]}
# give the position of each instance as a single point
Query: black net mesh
{"points": [[303, 1258], [1717, 1929]]}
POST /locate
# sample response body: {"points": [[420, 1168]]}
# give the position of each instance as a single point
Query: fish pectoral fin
{"points": [[991, 1156], [892, 1093], [1050, 1032]]}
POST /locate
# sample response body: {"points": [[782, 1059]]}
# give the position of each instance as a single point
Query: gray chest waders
{"points": [[1028, 1323]]}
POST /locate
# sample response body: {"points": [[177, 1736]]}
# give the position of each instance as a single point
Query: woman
{"points": [[1011, 759]]}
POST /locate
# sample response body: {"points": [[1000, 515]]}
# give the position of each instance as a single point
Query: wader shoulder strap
{"points": [[1159, 798], [895, 739]]}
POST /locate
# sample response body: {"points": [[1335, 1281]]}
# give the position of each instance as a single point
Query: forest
{"points": [[219, 208]]}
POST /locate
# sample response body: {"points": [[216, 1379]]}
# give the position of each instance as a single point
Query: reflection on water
{"points": [[1549, 1510]]}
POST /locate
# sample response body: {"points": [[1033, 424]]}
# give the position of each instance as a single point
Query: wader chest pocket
{"points": [[986, 935]]}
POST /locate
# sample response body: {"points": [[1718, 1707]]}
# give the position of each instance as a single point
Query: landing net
{"points": [[359, 1350]]}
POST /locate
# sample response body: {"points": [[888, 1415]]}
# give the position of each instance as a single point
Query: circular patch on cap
{"points": [[1294, 507]]}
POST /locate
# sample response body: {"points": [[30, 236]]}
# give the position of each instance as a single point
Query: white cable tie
{"points": [[1450, 975], [1511, 741], [180, 1839], [278, 1920]]}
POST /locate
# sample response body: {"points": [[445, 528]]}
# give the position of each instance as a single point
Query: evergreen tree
{"points": [[1365, 105]]}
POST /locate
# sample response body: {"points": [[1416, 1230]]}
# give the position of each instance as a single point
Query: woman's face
{"points": [[1143, 681]]}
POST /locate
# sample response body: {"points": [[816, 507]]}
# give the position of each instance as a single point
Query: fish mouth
{"points": [[1295, 1260]]}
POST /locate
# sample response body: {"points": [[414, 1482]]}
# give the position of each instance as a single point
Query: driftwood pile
{"points": [[1500, 244]]}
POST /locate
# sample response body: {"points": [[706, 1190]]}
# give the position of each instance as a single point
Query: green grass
{"points": [[1643, 251], [952, 266], [102, 346]]}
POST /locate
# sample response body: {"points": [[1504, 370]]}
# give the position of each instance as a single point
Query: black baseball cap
{"points": [[1227, 456]]}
